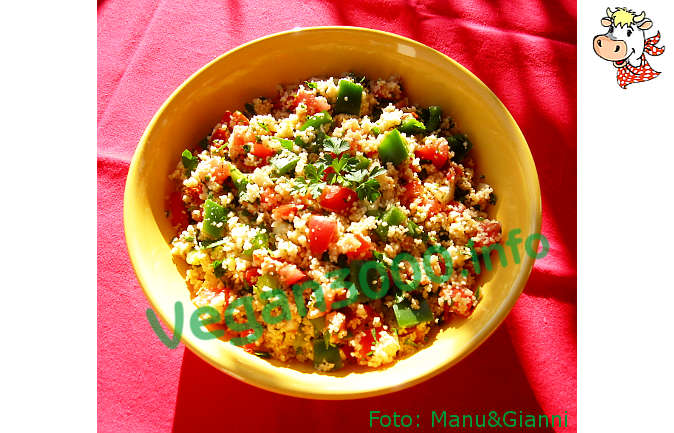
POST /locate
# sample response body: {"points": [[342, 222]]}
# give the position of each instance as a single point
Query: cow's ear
{"points": [[645, 24], [605, 22]]}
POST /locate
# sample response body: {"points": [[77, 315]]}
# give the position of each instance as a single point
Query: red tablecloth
{"points": [[524, 50]]}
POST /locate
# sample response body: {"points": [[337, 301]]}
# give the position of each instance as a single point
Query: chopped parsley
{"points": [[341, 169], [311, 85], [190, 162], [217, 269], [336, 145], [263, 126]]}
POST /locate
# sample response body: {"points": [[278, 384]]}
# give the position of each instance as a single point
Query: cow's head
{"points": [[624, 40]]}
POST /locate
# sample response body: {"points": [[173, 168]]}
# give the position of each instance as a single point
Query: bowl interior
{"points": [[255, 69]]}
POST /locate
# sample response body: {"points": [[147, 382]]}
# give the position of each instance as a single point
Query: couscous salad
{"points": [[293, 197]]}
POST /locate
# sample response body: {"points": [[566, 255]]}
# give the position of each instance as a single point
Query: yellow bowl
{"points": [[254, 69]]}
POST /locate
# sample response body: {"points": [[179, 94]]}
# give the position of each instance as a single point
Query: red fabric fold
{"points": [[524, 50]]}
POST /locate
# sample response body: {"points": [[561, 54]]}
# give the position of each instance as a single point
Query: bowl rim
{"points": [[491, 325]]}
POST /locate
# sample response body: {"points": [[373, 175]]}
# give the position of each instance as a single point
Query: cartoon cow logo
{"points": [[626, 45]]}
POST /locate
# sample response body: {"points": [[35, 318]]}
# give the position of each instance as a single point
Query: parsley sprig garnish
{"points": [[335, 145], [312, 182], [335, 167]]}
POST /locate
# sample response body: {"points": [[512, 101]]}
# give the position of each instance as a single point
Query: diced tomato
{"points": [[443, 266], [488, 233], [193, 193], [177, 212], [437, 155], [328, 170], [261, 150], [228, 121], [322, 233], [348, 351], [232, 119], [315, 104], [354, 318], [454, 172], [291, 274], [363, 252], [410, 192], [221, 133], [451, 174], [446, 313], [239, 140], [337, 198], [269, 199], [366, 341], [285, 212], [227, 294], [251, 275], [219, 170], [434, 207]]}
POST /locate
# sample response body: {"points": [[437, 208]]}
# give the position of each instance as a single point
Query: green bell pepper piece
{"points": [[316, 120], [260, 240], [416, 232], [392, 217], [268, 281], [349, 95], [319, 325], [393, 148], [434, 118], [284, 162], [329, 354], [460, 145], [372, 276], [406, 316], [285, 143], [363, 162], [412, 126], [215, 218], [239, 179]]}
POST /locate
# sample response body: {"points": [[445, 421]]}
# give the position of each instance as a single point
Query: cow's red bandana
{"points": [[634, 74]]}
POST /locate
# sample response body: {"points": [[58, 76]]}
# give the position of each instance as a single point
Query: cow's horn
{"points": [[639, 18], [609, 14]]}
